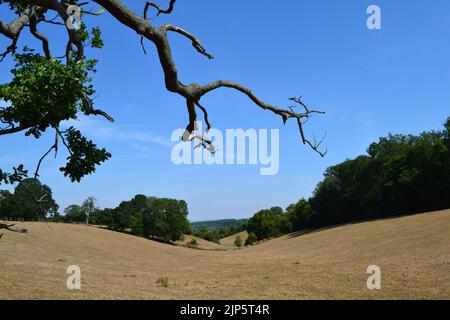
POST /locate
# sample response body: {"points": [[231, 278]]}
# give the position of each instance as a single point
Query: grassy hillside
{"points": [[413, 253], [229, 241], [202, 244]]}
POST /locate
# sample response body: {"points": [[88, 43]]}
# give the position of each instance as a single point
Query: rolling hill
{"points": [[203, 244], [229, 241], [412, 252]]}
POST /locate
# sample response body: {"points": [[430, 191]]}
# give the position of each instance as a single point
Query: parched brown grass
{"points": [[229, 241], [202, 244], [413, 254]]}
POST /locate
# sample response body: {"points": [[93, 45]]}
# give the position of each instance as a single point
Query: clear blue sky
{"points": [[370, 83]]}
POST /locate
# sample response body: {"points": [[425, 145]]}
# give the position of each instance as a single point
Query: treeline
{"points": [[218, 229], [151, 217], [400, 175], [157, 218]]}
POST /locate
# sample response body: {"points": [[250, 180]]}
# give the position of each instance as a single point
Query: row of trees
{"points": [[164, 219], [213, 233], [158, 218], [401, 174], [80, 214]]}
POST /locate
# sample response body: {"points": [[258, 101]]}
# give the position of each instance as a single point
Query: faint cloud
{"points": [[101, 130]]}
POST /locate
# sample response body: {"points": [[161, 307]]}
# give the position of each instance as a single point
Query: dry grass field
{"points": [[229, 241], [413, 254], [203, 244]]}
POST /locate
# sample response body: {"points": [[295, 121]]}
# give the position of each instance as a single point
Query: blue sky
{"points": [[370, 83]]}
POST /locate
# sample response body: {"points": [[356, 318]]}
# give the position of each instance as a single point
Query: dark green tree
{"points": [[299, 214], [166, 219], [252, 238], [32, 201], [265, 223], [102, 218], [128, 216], [74, 214]]}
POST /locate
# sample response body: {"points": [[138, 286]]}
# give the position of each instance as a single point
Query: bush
{"points": [[251, 239], [238, 242], [192, 244], [163, 282]]}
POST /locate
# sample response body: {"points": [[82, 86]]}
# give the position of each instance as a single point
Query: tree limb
{"points": [[40, 36], [195, 42], [157, 7]]}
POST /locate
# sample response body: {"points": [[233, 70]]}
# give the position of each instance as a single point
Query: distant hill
{"points": [[229, 241], [216, 224], [202, 244]]}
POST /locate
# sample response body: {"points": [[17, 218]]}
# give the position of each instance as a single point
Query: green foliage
{"points": [[208, 235], [74, 214], [252, 238], [102, 217], [401, 174], [17, 175], [192, 244], [161, 219], [266, 223], [238, 241], [31, 200], [163, 282], [96, 38], [128, 216], [84, 155], [43, 92], [299, 214], [225, 227], [165, 219]]}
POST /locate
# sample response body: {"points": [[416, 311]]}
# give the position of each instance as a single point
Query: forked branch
{"points": [[157, 7]]}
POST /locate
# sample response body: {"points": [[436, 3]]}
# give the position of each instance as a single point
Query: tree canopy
{"points": [[31, 200], [158, 218], [46, 89], [401, 174]]}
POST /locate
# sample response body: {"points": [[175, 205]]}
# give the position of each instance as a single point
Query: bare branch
{"points": [[53, 147], [89, 110], [12, 30], [14, 129], [205, 115], [94, 13], [40, 36], [285, 114], [11, 49], [195, 42], [157, 7], [192, 92], [64, 141]]}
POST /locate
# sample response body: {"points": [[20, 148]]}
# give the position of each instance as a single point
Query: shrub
{"points": [[251, 239], [163, 282], [192, 243], [238, 241]]}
